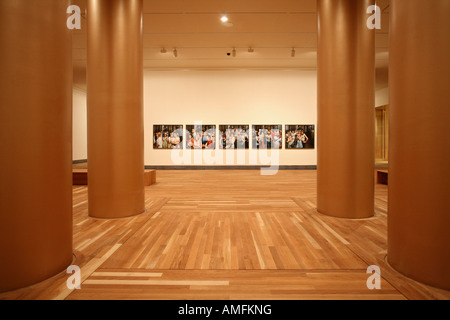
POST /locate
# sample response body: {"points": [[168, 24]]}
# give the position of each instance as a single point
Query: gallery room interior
{"points": [[224, 150]]}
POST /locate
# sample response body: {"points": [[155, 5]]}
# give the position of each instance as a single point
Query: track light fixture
{"points": [[293, 53], [163, 50], [250, 50], [175, 52], [234, 52]]}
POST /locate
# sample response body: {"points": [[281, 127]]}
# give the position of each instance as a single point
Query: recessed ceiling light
{"points": [[224, 19]]}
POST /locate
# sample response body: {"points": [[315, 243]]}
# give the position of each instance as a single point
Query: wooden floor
{"points": [[229, 235]]}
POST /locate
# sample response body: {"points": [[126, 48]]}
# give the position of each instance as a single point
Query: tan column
{"points": [[346, 99], [419, 154], [36, 141], [115, 108]]}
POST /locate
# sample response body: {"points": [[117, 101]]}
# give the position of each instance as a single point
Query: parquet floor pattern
{"points": [[214, 234]]}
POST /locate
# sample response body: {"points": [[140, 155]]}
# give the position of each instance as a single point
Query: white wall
{"points": [[79, 148], [229, 97], [382, 97]]}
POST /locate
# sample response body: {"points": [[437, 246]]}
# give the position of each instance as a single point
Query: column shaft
{"points": [[419, 145], [115, 108], [346, 99], [36, 141]]}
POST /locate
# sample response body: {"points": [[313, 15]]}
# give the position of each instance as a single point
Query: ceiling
{"points": [[271, 28]]}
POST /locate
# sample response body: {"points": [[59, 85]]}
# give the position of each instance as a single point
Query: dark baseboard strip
{"points": [[231, 167], [79, 161], [228, 167]]}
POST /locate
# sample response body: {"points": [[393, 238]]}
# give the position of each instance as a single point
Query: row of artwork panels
{"points": [[233, 137]]}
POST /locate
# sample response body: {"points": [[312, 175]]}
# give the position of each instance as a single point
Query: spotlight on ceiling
{"points": [[175, 52], [163, 50], [224, 19], [293, 53], [250, 50], [234, 52]]}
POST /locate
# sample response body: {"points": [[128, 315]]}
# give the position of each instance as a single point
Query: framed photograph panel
{"points": [[300, 137], [200, 137], [233, 136], [267, 137], [167, 136]]}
